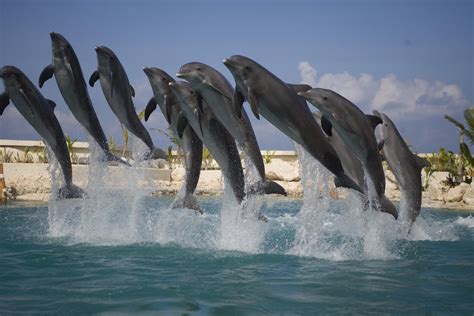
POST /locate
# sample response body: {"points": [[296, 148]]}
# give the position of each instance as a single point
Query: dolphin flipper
{"points": [[253, 103], [238, 102], [150, 107], [271, 187], [132, 91], [374, 120], [46, 74], [326, 126], [181, 125], [422, 162], [299, 87], [94, 77], [168, 105], [4, 101]]}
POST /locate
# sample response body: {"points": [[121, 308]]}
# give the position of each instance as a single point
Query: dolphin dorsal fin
{"points": [[94, 77], [51, 103], [422, 162], [4, 101], [374, 120], [46, 74]]}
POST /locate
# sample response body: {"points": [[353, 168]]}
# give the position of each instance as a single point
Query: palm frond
{"points": [[455, 122]]}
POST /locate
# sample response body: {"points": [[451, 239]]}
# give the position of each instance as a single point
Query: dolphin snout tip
{"points": [[179, 74]]}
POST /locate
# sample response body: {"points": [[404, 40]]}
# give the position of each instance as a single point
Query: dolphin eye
{"points": [[164, 79], [385, 125], [199, 68], [325, 98], [247, 67], [192, 92]]}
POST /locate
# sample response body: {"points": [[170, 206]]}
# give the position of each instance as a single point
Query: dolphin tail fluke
{"points": [[71, 192], [189, 201], [271, 187], [112, 157]]}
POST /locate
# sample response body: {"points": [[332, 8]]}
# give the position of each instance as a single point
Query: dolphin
{"points": [[279, 103], [38, 111], [119, 92], [352, 166], [190, 142], [356, 130], [213, 134], [405, 166], [67, 71], [217, 92]]}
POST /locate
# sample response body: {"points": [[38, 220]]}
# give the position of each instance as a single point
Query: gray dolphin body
{"points": [[218, 93], [213, 134], [118, 92], [279, 104], [190, 142], [38, 111], [405, 166], [67, 71], [356, 130], [352, 166]]}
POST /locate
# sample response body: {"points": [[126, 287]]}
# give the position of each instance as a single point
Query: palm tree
{"points": [[464, 131]]}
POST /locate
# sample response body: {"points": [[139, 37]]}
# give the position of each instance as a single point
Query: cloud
{"points": [[411, 99]]}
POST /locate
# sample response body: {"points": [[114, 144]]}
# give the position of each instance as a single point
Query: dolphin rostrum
{"points": [[279, 103], [67, 71], [213, 135], [189, 141], [38, 111], [356, 131], [217, 92], [119, 92], [405, 166]]}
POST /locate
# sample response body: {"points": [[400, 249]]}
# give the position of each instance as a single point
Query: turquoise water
{"points": [[137, 257]]}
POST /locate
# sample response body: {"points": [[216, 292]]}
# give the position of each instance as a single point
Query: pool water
{"points": [[124, 255]]}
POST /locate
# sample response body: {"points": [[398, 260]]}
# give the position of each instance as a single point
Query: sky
{"points": [[413, 60]]}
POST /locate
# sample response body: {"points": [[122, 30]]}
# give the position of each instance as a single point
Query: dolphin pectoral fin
{"points": [[168, 107], [46, 74], [51, 103], [422, 162], [111, 84], [326, 125], [4, 101], [299, 87], [238, 102], [181, 125], [198, 115], [253, 103], [374, 120], [380, 145], [218, 90], [150, 107], [271, 187], [94, 77], [199, 102], [132, 91]]}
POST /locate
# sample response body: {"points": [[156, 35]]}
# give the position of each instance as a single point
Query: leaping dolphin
{"points": [[356, 131], [190, 142], [67, 71], [213, 134], [38, 111], [119, 92], [279, 103], [351, 165], [217, 92], [405, 166]]}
